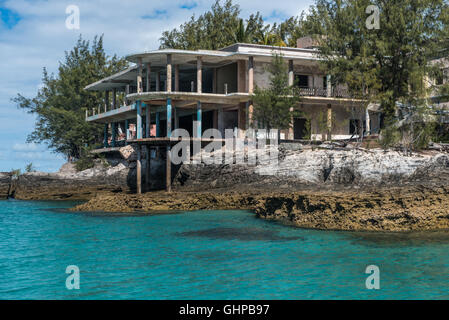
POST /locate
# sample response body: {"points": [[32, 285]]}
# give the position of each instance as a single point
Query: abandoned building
{"points": [[169, 89]]}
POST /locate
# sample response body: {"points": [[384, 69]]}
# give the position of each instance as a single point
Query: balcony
{"points": [[322, 92]]}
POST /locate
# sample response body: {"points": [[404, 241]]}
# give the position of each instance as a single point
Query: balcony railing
{"points": [[322, 92]]}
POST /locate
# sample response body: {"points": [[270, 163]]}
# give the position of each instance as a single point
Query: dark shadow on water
{"points": [[400, 239], [244, 234], [114, 214]]}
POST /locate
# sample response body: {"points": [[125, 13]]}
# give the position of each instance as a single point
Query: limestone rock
{"points": [[5, 184]]}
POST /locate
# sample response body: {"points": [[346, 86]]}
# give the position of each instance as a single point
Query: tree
{"points": [[61, 103], [274, 107], [29, 167], [223, 26], [388, 65]]}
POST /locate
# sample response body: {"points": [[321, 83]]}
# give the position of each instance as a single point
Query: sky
{"points": [[33, 35]]}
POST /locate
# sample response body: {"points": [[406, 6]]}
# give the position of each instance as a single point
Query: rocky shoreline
{"points": [[392, 209], [310, 187]]}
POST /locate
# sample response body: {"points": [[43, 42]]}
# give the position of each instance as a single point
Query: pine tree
{"points": [[61, 103]]}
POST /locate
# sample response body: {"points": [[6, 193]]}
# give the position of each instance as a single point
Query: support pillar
{"points": [[126, 94], [250, 91], [168, 170], [147, 121], [139, 170], [220, 121], [168, 158], [199, 131], [113, 133], [148, 77], [199, 74], [328, 86], [291, 81], [329, 122], [114, 98], [368, 122], [106, 101], [105, 135], [139, 76], [168, 83], [139, 120]]}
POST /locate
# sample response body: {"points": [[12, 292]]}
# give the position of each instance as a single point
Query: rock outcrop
{"points": [[385, 209], [5, 184], [323, 168]]}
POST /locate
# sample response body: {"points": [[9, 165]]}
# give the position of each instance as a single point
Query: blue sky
{"points": [[33, 35]]}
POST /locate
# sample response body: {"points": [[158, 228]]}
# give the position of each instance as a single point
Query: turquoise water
{"points": [[207, 255]]}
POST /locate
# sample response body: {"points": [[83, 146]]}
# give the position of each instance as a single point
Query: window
{"points": [[302, 81]]}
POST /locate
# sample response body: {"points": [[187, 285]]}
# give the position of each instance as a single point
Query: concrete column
{"points": [[168, 170], [199, 120], [158, 124], [220, 121], [139, 170], [169, 74], [139, 120], [105, 136], [329, 85], [114, 98], [367, 120], [148, 77], [113, 133], [291, 75], [199, 74], [147, 121], [329, 122], [169, 118], [291, 81], [139, 76], [126, 94], [177, 77], [250, 91], [106, 101], [158, 81]]}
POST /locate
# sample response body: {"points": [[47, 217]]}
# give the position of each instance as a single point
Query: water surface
{"points": [[207, 255]]}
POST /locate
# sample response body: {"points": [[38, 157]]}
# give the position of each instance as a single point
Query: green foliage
{"points": [[223, 26], [274, 107], [61, 103], [389, 64], [413, 133], [29, 167]]}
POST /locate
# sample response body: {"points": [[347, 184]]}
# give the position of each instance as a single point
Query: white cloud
{"points": [[20, 147]]}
